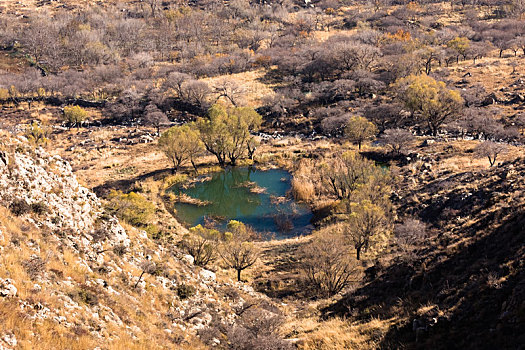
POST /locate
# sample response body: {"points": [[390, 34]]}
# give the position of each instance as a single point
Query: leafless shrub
{"points": [[327, 264], [256, 329], [35, 267], [490, 150], [410, 233], [120, 249], [493, 280], [397, 139]]}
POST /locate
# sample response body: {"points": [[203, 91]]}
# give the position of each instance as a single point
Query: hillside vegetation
{"points": [[401, 126]]}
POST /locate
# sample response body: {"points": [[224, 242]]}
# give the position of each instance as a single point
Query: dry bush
{"points": [[327, 264], [257, 328], [338, 334], [490, 150], [19, 207], [303, 189], [410, 233], [35, 267]]}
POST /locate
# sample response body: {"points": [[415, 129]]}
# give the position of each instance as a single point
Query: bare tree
{"points": [[238, 252], [397, 139], [491, 150], [196, 92], [175, 81], [326, 264], [409, 233], [201, 243], [230, 90], [155, 117], [147, 267]]}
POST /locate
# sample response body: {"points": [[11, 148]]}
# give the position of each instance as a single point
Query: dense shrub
{"points": [[19, 207], [185, 291], [131, 207]]}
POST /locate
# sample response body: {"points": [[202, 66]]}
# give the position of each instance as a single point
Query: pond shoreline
{"points": [[260, 198]]}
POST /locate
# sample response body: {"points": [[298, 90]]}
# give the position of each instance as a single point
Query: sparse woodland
{"points": [[402, 125]]}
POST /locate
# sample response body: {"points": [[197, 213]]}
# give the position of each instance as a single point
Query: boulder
{"points": [[188, 258], [207, 275], [7, 288]]}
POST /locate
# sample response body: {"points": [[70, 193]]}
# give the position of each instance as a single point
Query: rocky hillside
{"points": [[71, 276], [465, 286]]}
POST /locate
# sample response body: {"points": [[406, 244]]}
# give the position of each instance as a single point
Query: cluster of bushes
{"points": [[117, 49], [135, 209], [224, 132], [20, 207], [234, 247]]}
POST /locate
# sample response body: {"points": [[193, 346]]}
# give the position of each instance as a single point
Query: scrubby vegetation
{"points": [[401, 124]]}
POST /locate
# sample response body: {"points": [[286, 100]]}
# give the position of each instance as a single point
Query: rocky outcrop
{"points": [[45, 185]]}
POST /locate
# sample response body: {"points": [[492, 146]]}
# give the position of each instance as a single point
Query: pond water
{"points": [[258, 198]]}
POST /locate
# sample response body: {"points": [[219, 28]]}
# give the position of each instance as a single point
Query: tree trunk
{"points": [[358, 253], [239, 275], [140, 277]]}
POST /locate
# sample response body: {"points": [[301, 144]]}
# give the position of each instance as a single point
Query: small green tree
{"points": [[359, 129], [37, 133], [131, 207], [237, 250], [75, 115], [460, 45], [181, 144], [345, 173], [226, 132]]}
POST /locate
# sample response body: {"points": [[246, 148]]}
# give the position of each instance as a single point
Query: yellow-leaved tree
{"points": [[201, 243], [181, 144], [430, 100], [226, 132], [238, 251], [367, 226], [460, 45], [359, 129]]}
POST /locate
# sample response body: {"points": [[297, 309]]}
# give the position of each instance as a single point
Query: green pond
{"points": [[258, 198]]}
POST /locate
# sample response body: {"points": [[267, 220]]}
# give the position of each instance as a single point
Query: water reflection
{"points": [[255, 197]]}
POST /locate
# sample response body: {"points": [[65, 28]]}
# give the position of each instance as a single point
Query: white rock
{"points": [[207, 275], [7, 289], [189, 259], [143, 234], [10, 339]]}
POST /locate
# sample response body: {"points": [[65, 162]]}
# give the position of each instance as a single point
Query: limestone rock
{"points": [[7, 288]]}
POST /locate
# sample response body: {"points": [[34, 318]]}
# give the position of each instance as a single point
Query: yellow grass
{"points": [[254, 90], [303, 189]]}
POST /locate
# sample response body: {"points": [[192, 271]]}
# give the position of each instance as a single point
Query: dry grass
{"points": [[303, 189], [337, 333], [254, 90], [64, 275]]}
